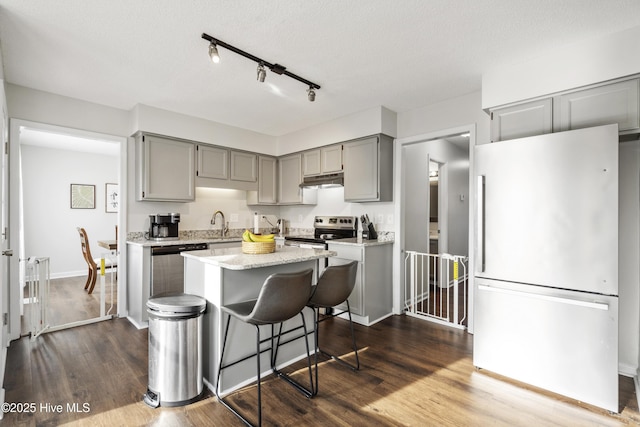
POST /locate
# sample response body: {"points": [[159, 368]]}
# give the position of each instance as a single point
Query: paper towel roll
{"points": [[256, 223]]}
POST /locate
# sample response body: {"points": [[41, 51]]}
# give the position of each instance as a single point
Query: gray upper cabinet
{"points": [[267, 182], [311, 163], [522, 120], [290, 170], [331, 159], [165, 169], [368, 169], [322, 160], [220, 167], [600, 105], [213, 162], [244, 166]]}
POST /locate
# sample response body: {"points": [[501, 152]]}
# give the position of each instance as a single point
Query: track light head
{"points": [[213, 53], [311, 94], [262, 73]]}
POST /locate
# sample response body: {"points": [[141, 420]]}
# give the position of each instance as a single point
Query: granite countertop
{"points": [[356, 241], [234, 259], [181, 241]]}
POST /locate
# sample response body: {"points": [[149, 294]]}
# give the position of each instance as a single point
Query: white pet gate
{"points": [[437, 287]]}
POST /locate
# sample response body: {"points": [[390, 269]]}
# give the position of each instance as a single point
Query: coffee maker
{"points": [[164, 226]]}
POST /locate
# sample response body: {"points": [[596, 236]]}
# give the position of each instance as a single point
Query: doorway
{"points": [[435, 202], [62, 179]]}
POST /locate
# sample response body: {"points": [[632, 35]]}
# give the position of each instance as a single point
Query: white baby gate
{"points": [[437, 287], [37, 276]]}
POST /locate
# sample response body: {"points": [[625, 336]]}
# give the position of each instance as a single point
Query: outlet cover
{"points": [[234, 218]]}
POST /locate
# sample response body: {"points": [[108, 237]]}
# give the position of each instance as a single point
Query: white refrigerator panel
{"points": [[562, 341], [547, 210]]}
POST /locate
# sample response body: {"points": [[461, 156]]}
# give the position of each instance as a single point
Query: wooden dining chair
{"points": [[92, 263]]}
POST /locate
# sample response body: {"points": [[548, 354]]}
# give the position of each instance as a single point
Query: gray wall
{"points": [[416, 188]]}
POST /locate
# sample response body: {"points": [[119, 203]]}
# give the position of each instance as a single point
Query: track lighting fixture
{"points": [[311, 94], [261, 71], [213, 53]]}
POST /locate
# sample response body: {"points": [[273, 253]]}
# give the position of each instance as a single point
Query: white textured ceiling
{"points": [[364, 53]]}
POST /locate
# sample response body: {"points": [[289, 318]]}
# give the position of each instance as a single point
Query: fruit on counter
{"points": [[248, 236]]}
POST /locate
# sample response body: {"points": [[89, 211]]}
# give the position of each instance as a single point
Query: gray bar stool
{"points": [[283, 296], [333, 288]]}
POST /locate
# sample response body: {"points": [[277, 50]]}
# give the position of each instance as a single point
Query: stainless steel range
{"points": [[326, 228]]}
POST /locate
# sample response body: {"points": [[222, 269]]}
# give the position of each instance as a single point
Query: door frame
{"points": [[399, 177], [15, 213]]}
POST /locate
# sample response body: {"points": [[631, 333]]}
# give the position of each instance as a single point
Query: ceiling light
{"points": [[262, 73], [213, 53]]}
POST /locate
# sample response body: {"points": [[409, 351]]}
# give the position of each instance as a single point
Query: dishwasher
{"points": [[167, 267]]}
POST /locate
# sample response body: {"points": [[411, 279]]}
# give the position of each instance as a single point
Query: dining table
{"points": [[112, 245]]}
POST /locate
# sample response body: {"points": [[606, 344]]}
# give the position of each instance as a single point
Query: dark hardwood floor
{"points": [[69, 302], [413, 373]]}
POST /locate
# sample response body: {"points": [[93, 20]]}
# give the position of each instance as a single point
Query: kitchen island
{"points": [[226, 275]]}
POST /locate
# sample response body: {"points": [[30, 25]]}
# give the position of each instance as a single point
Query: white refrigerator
{"points": [[546, 267]]}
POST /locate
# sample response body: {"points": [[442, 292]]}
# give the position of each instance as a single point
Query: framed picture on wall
{"points": [[83, 196], [111, 198]]}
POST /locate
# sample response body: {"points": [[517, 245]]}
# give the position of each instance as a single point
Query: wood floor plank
{"points": [[412, 373]]}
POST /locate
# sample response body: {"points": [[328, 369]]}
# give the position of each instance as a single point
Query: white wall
{"points": [[42, 107], [416, 179], [49, 222], [629, 255], [331, 202], [162, 122], [363, 123], [567, 67], [197, 215], [460, 111]]}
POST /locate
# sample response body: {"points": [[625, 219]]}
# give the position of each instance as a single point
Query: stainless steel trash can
{"points": [[175, 349]]}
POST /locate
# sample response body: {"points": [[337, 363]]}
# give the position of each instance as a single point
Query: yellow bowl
{"points": [[258, 247]]}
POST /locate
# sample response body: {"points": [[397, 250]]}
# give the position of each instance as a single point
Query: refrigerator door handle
{"points": [[561, 300], [480, 250]]}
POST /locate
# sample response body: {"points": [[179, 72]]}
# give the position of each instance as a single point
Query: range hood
{"points": [[324, 181]]}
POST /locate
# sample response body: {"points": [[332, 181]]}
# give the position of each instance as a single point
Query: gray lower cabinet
{"points": [[368, 169], [372, 296], [522, 120], [139, 268], [155, 157]]}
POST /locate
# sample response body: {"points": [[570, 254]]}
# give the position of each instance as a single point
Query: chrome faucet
{"points": [[224, 228]]}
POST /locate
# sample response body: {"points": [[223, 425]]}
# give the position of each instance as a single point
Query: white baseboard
{"points": [[627, 370], [637, 384], [143, 325]]}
